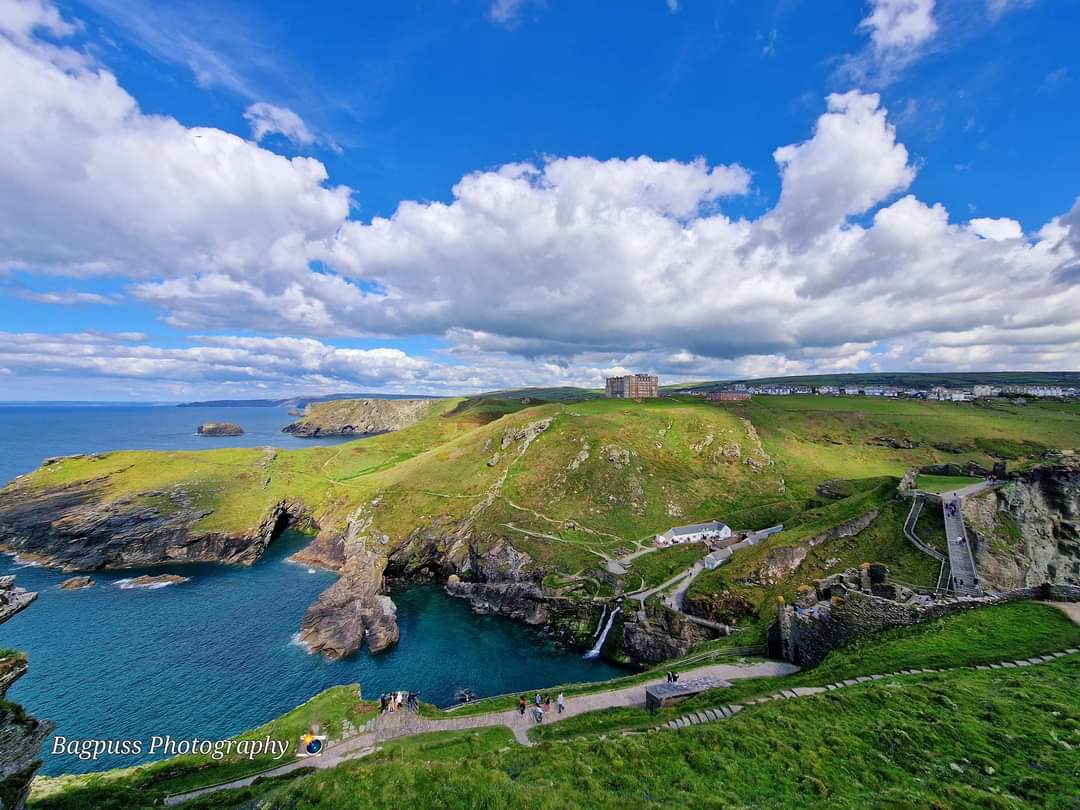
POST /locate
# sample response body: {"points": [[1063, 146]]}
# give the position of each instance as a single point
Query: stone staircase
{"points": [[728, 711]]}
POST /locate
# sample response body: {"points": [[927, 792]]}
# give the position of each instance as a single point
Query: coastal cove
{"points": [[214, 656]]}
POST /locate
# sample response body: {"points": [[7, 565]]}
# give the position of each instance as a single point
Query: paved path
{"points": [[1070, 609], [678, 596], [961, 560], [917, 504], [405, 724]]}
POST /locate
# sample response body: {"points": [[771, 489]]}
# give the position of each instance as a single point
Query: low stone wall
{"points": [[805, 636]]}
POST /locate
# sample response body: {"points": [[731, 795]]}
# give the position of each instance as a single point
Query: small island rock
{"points": [[76, 583], [220, 429]]}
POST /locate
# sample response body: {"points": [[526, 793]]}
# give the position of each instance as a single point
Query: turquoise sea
{"points": [[215, 655]]}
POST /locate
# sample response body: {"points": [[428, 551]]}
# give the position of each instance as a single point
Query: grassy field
{"points": [[1002, 632], [659, 566], [747, 573], [945, 483], [605, 476], [1002, 739]]}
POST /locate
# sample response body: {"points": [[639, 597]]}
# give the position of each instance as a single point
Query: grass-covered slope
{"points": [[603, 476], [966, 739], [490, 766]]}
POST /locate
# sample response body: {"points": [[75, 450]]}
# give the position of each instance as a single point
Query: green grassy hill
{"points": [[600, 478]]}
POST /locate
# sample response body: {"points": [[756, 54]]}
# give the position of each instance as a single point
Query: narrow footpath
{"points": [[402, 723]]}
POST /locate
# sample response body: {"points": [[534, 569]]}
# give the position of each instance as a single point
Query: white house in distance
{"points": [[694, 533]]}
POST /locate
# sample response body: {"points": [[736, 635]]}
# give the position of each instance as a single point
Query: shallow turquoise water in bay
{"points": [[214, 656]]}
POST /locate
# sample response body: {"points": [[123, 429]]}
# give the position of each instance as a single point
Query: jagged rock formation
{"points": [[21, 736], [220, 429], [353, 609], [76, 583], [654, 633], [12, 598], [781, 562], [359, 417], [724, 607], [1029, 528], [76, 527]]}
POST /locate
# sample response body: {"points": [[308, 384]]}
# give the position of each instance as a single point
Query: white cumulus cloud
{"points": [[554, 270], [268, 119]]}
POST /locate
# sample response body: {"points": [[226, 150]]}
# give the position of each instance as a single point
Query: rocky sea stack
{"points": [[359, 417], [220, 429], [76, 583]]}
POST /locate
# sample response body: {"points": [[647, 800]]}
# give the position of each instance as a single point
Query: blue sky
{"points": [[260, 197]]}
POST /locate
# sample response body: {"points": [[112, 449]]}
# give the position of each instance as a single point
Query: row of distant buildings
{"points": [[647, 386], [741, 391]]}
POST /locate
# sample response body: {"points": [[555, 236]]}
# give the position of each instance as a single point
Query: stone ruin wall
{"points": [[858, 603]]}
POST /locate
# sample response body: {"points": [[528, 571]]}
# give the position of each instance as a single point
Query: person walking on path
{"points": [[560, 703], [539, 700], [538, 714], [547, 704], [521, 705]]}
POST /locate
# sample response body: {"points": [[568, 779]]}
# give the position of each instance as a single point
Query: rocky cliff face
{"points": [[358, 417], [353, 609], [12, 598], [21, 736], [652, 634], [1030, 528], [76, 528]]}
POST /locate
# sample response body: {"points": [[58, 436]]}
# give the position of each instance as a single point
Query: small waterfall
{"points": [[595, 651], [600, 624]]}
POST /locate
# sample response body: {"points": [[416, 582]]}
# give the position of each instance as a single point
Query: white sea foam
{"points": [[19, 562], [130, 584], [295, 640]]}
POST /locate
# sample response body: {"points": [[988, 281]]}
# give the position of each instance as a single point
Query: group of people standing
{"points": [[392, 701], [541, 706], [673, 677]]}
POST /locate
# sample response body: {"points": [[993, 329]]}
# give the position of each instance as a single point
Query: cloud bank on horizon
{"points": [[552, 271]]}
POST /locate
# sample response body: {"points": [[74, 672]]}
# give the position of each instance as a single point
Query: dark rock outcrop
{"points": [[654, 633], [21, 735], [724, 607], [12, 598], [220, 429], [893, 442], [76, 583], [77, 528], [353, 609]]}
